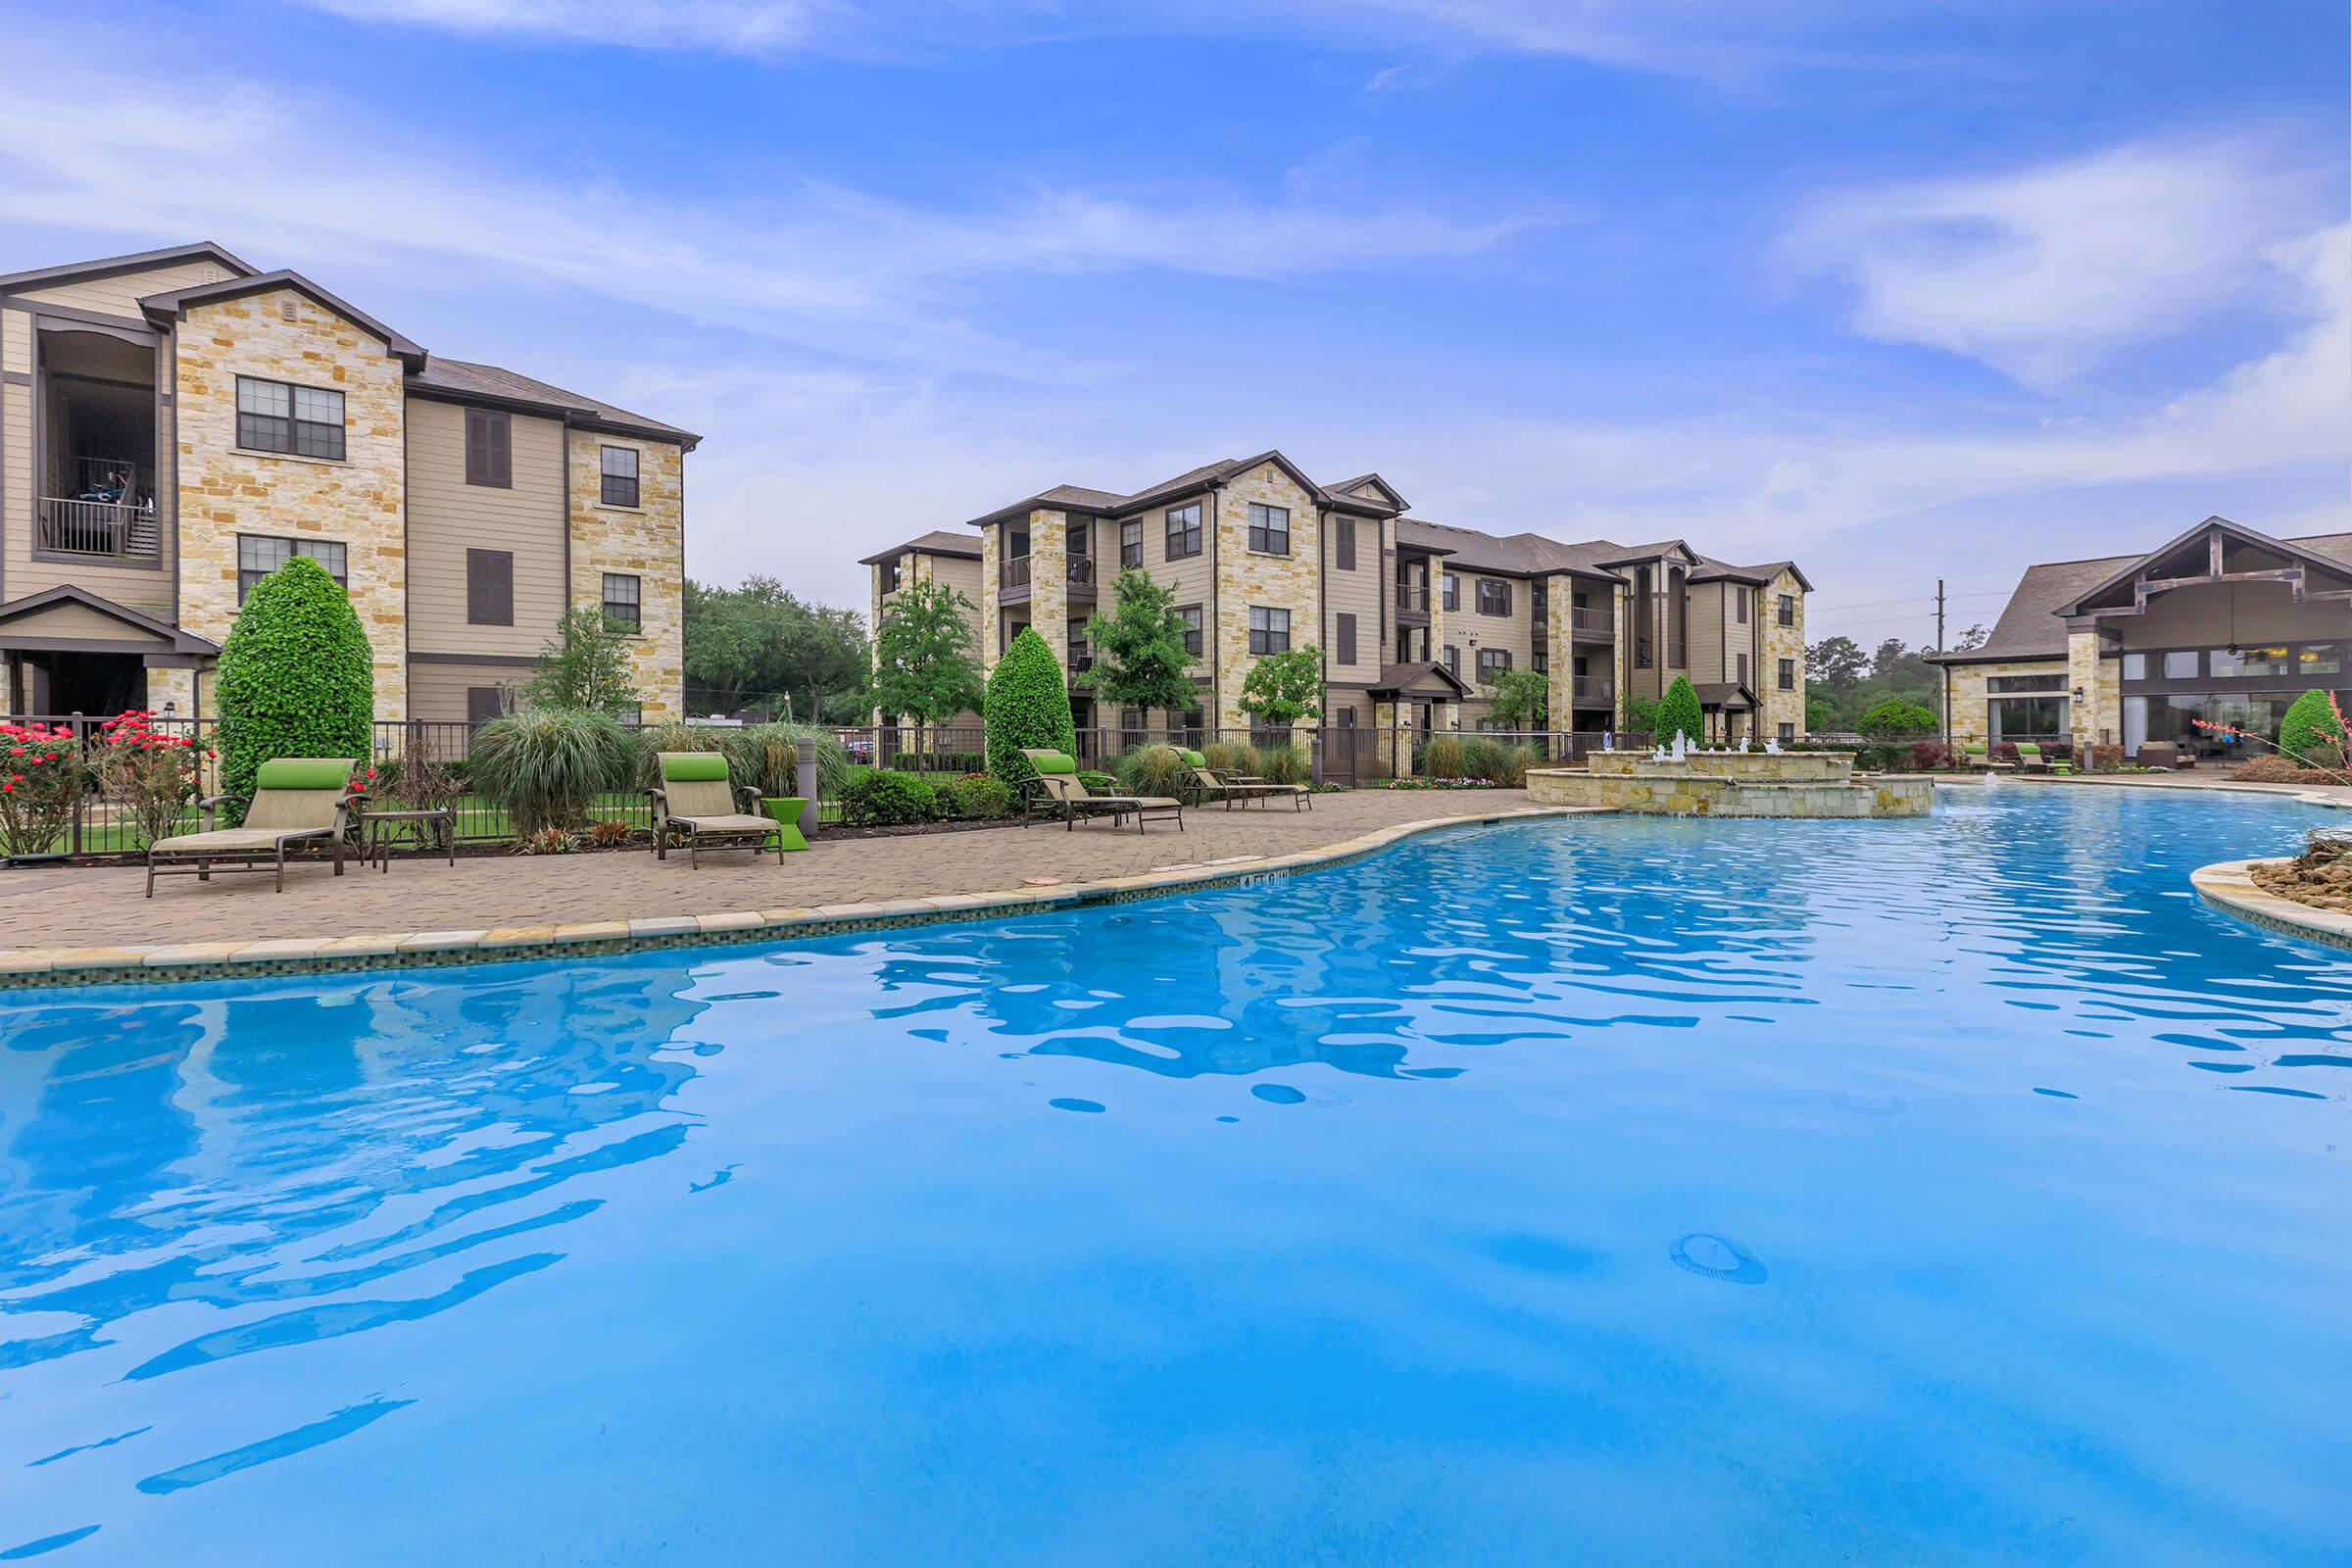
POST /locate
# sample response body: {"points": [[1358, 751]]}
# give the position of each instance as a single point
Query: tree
{"points": [[1894, 718], [297, 676], [1521, 699], [760, 643], [926, 666], [1970, 640], [2312, 732], [1028, 707], [1835, 663], [1140, 659], [1284, 688], [584, 666], [1679, 714]]}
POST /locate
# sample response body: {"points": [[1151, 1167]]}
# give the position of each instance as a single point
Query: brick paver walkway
{"points": [[45, 908]]}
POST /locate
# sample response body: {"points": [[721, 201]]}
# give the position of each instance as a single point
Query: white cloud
{"points": [[734, 27], [2049, 271]]}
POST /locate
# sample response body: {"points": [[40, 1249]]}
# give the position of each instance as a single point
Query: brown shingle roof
{"points": [[461, 378], [1527, 555], [938, 542]]}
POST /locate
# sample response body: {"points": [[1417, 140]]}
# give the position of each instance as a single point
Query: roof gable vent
{"points": [[285, 307]]}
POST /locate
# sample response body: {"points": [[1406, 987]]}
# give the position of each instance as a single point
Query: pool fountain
{"points": [[1679, 781]]}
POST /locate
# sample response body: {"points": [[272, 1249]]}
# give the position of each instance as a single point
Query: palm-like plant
{"points": [[547, 766]]}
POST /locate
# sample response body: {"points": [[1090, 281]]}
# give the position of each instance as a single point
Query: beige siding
{"points": [[437, 692], [1191, 579], [2226, 614], [15, 476], [447, 516], [16, 342], [1474, 633], [119, 295], [78, 620], [1709, 653], [1356, 593]]}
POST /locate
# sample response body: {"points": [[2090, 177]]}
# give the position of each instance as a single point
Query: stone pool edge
{"points": [[2228, 886], [175, 962]]}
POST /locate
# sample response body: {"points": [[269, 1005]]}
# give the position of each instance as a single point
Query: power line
{"points": [[1922, 598]]}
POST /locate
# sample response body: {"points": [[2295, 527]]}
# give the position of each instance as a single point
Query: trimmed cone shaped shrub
{"points": [[1679, 709], [297, 676], [2309, 733], [1028, 706]]}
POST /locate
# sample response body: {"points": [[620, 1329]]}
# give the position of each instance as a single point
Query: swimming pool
{"points": [[1596, 1190]]}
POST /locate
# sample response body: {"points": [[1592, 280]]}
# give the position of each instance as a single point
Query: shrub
{"points": [[422, 782], [149, 776], [1284, 765], [1153, 771], [2273, 769], [41, 787], [1482, 758], [1894, 718], [1230, 757], [545, 767], [1508, 767], [547, 841], [297, 677], [977, 798], [888, 799], [611, 832], [768, 758], [1931, 754], [1679, 711], [1028, 706], [2313, 731], [647, 745], [1445, 758]]}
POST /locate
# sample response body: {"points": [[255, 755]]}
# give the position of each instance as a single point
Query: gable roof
{"points": [[203, 250], [1524, 555], [1404, 678], [1636, 554], [938, 542], [1111, 504], [2286, 547], [463, 381], [1388, 499], [1710, 569], [175, 305], [184, 641]]}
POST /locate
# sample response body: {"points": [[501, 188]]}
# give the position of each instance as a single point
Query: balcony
{"points": [[1590, 623], [99, 531], [1014, 577], [1598, 690], [1015, 573]]}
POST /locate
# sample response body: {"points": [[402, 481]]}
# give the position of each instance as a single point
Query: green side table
{"points": [[786, 810]]}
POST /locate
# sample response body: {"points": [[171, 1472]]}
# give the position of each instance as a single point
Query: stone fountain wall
{"points": [[1751, 784]]}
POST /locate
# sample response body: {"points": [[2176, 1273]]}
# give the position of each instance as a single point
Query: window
{"points": [[1131, 727], [484, 703], [1453, 592], [2135, 667], [2026, 719], [1194, 724], [1184, 531], [1343, 634], [1454, 659], [2180, 666], [2238, 663], [1742, 669], [1269, 631], [2320, 658], [1541, 662], [1343, 547], [623, 604], [1077, 656], [1787, 618], [1131, 543], [1738, 604], [1788, 729], [1270, 529], [618, 466], [1493, 597], [890, 576], [1998, 684], [302, 421], [1491, 662], [490, 587], [1788, 676], [1081, 537], [257, 556], [1190, 615], [489, 448]]}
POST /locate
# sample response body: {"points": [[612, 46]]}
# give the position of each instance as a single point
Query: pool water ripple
{"points": [[1387, 1213]]}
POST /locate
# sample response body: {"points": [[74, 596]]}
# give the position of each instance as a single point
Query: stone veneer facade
{"points": [[2097, 715], [1781, 642], [646, 541], [1969, 720], [359, 501], [1248, 578]]}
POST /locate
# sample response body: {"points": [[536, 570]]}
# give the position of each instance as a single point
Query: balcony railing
{"points": [[1592, 623], [1082, 569], [102, 528], [1413, 596], [1594, 689], [1015, 573]]}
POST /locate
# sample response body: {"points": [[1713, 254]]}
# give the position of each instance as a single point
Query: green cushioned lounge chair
{"points": [[1059, 791], [1232, 787], [296, 801], [2030, 759], [696, 800]]}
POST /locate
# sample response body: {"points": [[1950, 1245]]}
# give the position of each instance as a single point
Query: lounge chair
{"points": [[2030, 759], [1232, 787], [295, 801], [1977, 751], [695, 798], [1059, 791]]}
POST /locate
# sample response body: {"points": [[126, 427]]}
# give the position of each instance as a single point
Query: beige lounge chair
{"points": [[1232, 787], [295, 801], [695, 799], [1059, 791]]}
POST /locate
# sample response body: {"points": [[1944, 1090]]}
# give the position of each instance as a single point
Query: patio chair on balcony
{"points": [[1059, 791], [1232, 787], [296, 801], [696, 800]]}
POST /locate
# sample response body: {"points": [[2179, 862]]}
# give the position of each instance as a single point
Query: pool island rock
{"points": [[1796, 784]]}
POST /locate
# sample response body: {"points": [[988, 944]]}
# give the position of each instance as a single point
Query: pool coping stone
{"points": [[2228, 886]]}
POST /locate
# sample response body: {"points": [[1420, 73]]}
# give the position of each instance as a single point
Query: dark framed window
{"points": [[260, 555], [1270, 529], [1493, 662], [1740, 604], [1131, 727], [490, 587], [1343, 546], [1269, 631], [305, 422], [1742, 669], [1194, 724], [1540, 661], [891, 574], [1787, 618], [1080, 539], [1788, 730], [1131, 543], [1454, 659], [1184, 531], [2026, 719], [1453, 592], [1788, 674], [619, 467], [1538, 601], [624, 601], [1190, 615], [1344, 633], [2022, 683], [484, 703], [1493, 597], [490, 448]]}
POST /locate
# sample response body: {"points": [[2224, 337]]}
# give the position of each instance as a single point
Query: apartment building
{"points": [[175, 425], [1414, 619], [2220, 623]]}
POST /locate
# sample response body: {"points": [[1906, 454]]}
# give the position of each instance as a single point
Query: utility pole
{"points": [[1946, 704], [1940, 614]]}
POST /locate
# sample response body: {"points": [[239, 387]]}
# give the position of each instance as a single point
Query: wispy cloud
{"points": [[2049, 272], [733, 26]]}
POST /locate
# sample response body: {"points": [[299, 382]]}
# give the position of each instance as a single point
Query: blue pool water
{"points": [[1598, 1191]]}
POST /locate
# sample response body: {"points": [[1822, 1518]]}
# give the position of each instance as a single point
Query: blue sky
{"points": [[1899, 289]]}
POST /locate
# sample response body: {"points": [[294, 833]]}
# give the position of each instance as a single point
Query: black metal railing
{"points": [[1413, 596], [112, 529], [1013, 573], [1589, 623]]}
